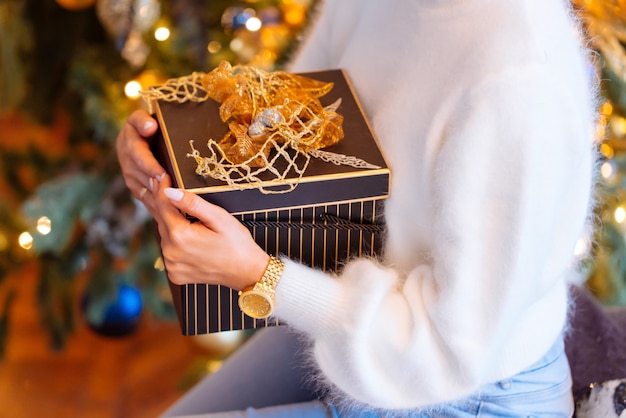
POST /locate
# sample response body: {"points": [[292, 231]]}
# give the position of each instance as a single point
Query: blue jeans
{"points": [[266, 378]]}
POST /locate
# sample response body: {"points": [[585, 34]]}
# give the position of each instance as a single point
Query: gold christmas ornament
{"points": [[126, 21], [76, 4]]}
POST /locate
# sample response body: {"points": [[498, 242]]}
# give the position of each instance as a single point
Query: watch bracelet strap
{"points": [[270, 277]]}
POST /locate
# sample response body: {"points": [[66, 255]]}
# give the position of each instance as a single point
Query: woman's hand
{"points": [[216, 249], [136, 160]]}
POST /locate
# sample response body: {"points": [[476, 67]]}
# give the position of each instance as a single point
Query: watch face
{"points": [[256, 305]]}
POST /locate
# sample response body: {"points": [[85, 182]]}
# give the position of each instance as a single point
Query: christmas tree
{"points": [[70, 74]]}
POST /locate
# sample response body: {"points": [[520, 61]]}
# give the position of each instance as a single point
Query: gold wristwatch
{"points": [[258, 301]]}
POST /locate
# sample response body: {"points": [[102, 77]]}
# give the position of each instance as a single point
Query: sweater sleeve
{"points": [[510, 198]]}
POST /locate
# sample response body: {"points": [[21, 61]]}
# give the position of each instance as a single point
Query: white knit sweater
{"points": [[484, 110]]}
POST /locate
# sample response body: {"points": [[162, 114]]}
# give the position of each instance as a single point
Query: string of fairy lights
{"points": [[258, 37], [612, 128]]}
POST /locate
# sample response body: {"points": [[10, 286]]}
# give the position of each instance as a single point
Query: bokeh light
{"points": [[162, 34], [132, 89]]}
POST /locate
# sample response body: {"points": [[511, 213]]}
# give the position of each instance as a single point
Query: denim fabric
{"points": [[312, 409], [262, 380], [542, 390]]}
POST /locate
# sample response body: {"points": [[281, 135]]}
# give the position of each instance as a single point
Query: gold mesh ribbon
{"points": [[276, 124]]}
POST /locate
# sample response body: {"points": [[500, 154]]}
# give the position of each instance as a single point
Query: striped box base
{"points": [[324, 237]]}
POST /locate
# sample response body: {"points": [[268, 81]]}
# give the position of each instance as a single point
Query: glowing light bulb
{"points": [[236, 44], [582, 246], [607, 170], [294, 14], [620, 215], [44, 225], [253, 24], [606, 108], [607, 150], [161, 34], [25, 240], [132, 89], [214, 47], [618, 126]]}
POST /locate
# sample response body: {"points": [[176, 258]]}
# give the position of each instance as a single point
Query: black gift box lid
{"points": [[322, 183]]}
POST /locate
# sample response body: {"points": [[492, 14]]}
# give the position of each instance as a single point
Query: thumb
{"points": [[193, 205]]}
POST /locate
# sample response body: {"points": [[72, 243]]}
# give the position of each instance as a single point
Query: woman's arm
{"points": [[510, 200]]}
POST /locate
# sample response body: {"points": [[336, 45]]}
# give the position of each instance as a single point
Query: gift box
{"points": [[321, 216]]}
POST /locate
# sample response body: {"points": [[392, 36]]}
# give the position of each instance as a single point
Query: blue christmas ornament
{"points": [[117, 317], [236, 17]]}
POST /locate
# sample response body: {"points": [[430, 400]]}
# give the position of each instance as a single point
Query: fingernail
{"points": [[148, 125], [173, 194], [160, 177], [151, 184]]}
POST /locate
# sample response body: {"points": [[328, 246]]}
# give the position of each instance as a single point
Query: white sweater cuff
{"points": [[307, 298]]}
